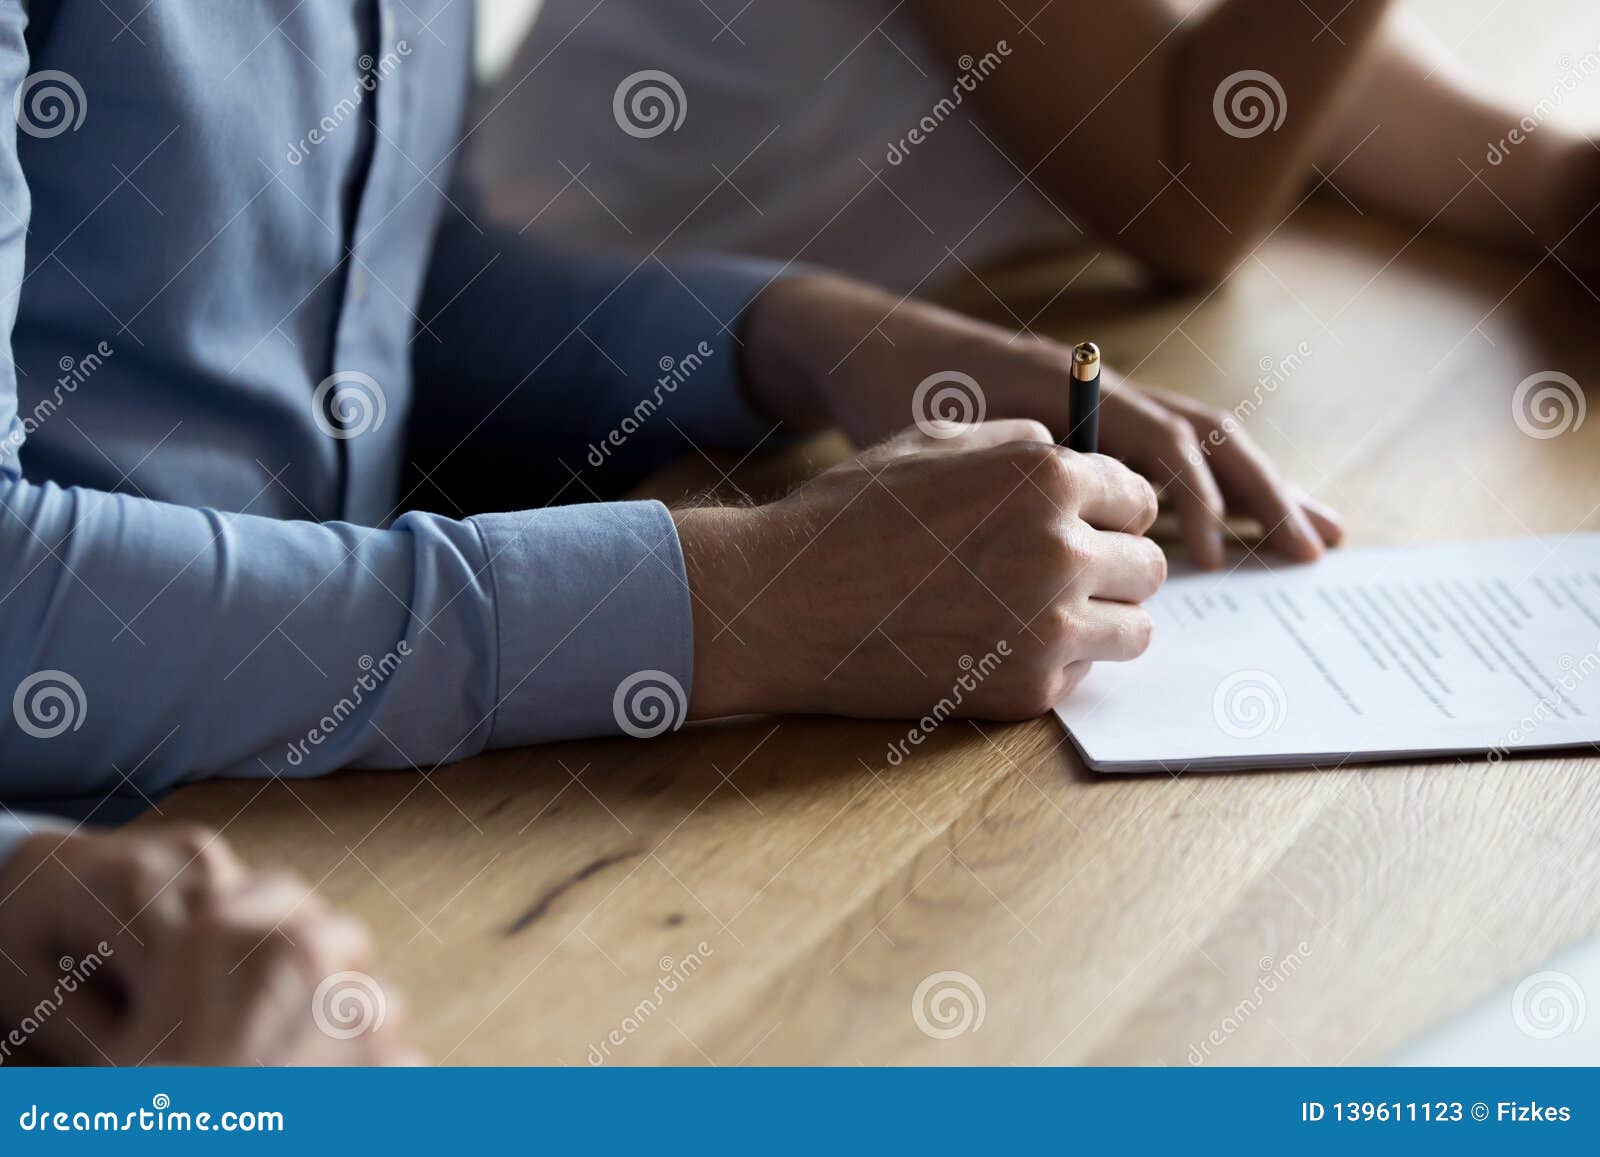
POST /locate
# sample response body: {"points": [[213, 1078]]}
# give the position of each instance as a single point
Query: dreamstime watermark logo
{"points": [[947, 1004], [674, 974], [648, 703], [674, 372], [1271, 976], [74, 372], [972, 73], [947, 404], [1574, 671], [1274, 373], [49, 103], [49, 703], [649, 103], [160, 1117], [1548, 404], [1573, 74], [1249, 704], [374, 674], [974, 672], [1549, 1004], [74, 973], [370, 73], [1249, 103], [348, 1004], [349, 403]]}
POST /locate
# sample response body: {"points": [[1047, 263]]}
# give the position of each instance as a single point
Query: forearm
{"points": [[1245, 158], [1111, 109], [177, 643], [538, 365], [1470, 164]]}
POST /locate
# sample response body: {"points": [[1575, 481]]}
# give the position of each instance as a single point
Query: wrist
{"points": [[734, 651], [781, 345]]}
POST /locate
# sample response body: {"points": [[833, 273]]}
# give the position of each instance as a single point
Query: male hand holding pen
{"points": [[861, 592]]}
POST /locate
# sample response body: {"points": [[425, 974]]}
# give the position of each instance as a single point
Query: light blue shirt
{"points": [[242, 300]]}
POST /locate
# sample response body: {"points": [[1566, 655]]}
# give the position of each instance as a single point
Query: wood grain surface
{"points": [[797, 889]]}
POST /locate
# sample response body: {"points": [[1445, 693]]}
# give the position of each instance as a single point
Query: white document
{"points": [[1471, 649]]}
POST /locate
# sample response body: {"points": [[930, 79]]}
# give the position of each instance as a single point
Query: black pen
{"points": [[1083, 403]]}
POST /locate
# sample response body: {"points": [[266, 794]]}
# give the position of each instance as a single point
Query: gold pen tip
{"points": [[1086, 361]]}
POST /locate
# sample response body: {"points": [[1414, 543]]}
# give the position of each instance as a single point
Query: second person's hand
{"points": [[162, 947], [824, 350]]}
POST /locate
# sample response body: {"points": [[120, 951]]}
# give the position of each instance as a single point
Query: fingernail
{"points": [[1312, 503], [1332, 526]]}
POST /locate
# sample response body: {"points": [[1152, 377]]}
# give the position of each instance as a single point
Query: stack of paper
{"points": [[1369, 654]]}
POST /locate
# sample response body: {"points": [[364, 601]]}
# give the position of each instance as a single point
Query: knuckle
{"points": [[355, 941], [1075, 549], [1185, 444], [1149, 505], [1052, 549], [1025, 455], [194, 840], [295, 893], [1064, 478], [147, 874], [1063, 629], [1035, 432], [204, 854], [1181, 434], [1055, 359], [1046, 467], [1208, 419]]}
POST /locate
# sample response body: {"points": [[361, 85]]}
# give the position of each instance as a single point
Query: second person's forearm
{"points": [[1258, 87], [1471, 165]]}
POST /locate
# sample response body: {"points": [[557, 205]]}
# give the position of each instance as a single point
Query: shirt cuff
{"points": [[595, 626], [704, 300]]}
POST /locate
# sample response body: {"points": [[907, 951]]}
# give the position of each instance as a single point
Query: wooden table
{"points": [[799, 889]]}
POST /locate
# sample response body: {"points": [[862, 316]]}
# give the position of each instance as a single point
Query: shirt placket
{"points": [[371, 388]]}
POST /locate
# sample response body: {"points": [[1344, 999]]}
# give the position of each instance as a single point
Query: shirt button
{"points": [[387, 25], [358, 284]]}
